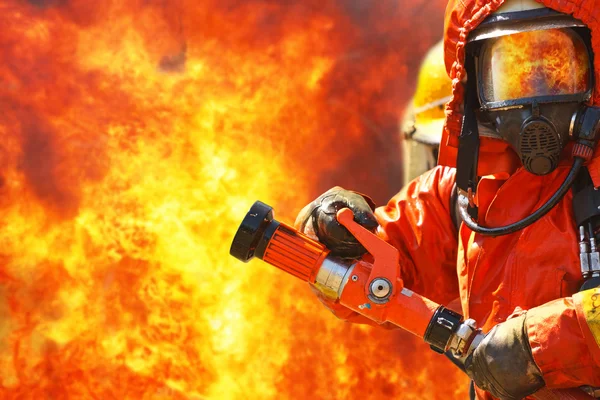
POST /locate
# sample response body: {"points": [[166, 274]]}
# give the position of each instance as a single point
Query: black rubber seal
{"points": [[251, 231], [442, 326]]}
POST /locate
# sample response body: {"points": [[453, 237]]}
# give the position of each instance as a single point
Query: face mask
{"points": [[537, 133], [531, 87]]}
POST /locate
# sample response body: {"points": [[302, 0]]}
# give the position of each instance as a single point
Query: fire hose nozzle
{"points": [[278, 244]]}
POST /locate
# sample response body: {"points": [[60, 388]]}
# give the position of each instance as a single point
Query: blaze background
{"points": [[135, 135]]}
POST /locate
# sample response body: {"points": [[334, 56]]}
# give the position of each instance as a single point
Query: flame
{"points": [[135, 136], [537, 63]]}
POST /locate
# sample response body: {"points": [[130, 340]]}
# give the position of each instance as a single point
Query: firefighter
{"points": [[423, 122], [520, 126]]}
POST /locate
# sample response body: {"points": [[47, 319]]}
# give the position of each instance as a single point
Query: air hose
{"points": [[463, 204]]}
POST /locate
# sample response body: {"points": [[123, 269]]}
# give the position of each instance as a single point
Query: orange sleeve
{"points": [[562, 343], [418, 223]]}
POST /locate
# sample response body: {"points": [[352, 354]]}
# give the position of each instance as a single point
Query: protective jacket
{"points": [[536, 269]]}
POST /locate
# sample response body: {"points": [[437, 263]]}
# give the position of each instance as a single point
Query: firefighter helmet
{"points": [[424, 119]]}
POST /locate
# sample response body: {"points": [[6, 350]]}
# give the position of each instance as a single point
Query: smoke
{"points": [[378, 73]]}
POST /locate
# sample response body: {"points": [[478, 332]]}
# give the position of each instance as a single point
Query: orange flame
{"points": [[536, 63], [134, 138]]}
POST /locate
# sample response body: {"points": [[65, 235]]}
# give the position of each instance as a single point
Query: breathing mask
{"points": [[531, 85]]}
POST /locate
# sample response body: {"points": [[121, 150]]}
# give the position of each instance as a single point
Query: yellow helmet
{"points": [[424, 119]]}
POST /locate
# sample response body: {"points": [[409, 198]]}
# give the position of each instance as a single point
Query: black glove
{"points": [[503, 364], [318, 220]]}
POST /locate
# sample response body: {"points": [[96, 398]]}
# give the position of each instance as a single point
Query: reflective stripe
{"points": [[590, 302]]}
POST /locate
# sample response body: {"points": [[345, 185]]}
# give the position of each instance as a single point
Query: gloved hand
{"points": [[503, 364], [318, 220]]}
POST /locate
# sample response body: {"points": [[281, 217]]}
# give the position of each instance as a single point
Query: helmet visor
{"points": [[549, 62]]}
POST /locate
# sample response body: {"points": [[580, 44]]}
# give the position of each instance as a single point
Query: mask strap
{"points": [[468, 142]]}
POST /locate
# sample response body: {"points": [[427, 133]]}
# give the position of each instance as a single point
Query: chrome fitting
{"points": [[380, 290], [594, 258], [466, 339], [333, 275], [584, 255]]}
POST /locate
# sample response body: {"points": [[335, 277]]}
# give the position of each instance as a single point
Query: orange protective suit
{"points": [[536, 269]]}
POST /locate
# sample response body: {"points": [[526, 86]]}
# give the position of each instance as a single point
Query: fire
{"points": [[134, 139], [538, 63]]}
